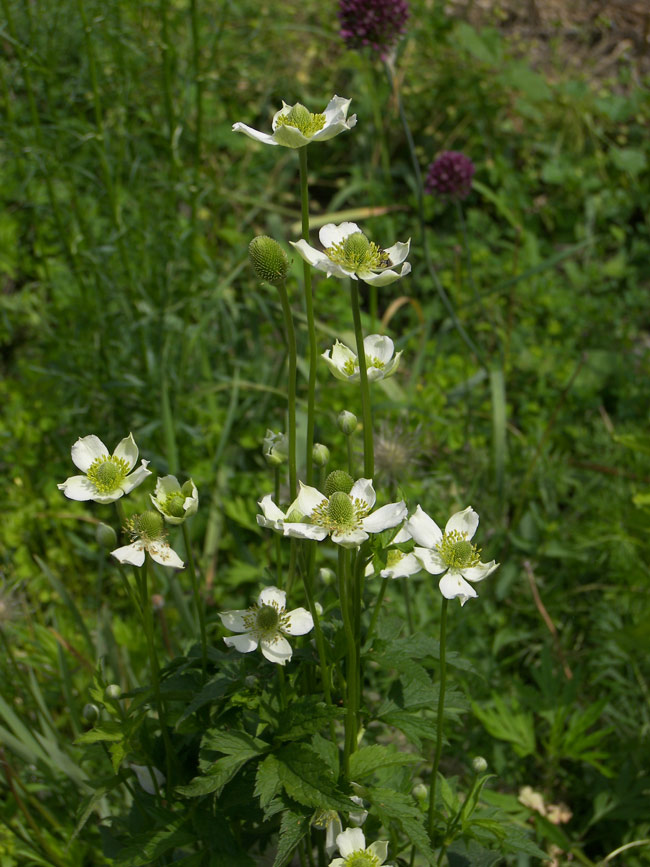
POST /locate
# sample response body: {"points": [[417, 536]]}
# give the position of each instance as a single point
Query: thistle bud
{"points": [[347, 422], [268, 259], [106, 536], [320, 455]]}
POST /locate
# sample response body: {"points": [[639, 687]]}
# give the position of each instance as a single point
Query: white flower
{"points": [[398, 564], [352, 846], [273, 517], [264, 624], [146, 777], [381, 360], [175, 503], [294, 126], [450, 552], [148, 533], [344, 515], [106, 476], [348, 253], [329, 821]]}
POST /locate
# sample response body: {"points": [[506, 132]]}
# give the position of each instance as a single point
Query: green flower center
{"points": [[457, 552], [340, 514], [374, 362], [357, 253], [338, 480], [266, 621], [393, 558], [148, 526], [173, 505], [351, 366], [302, 119], [361, 859], [107, 473], [267, 618]]}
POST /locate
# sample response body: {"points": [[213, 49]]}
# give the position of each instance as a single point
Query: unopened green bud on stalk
{"points": [[479, 765], [420, 792], [347, 422], [268, 259], [113, 691], [106, 536], [275, 448], [320, 455], [327, 576], [90, 713]]}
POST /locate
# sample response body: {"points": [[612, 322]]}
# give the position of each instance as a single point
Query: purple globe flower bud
{"points": [[450, 175], [374, 23]]}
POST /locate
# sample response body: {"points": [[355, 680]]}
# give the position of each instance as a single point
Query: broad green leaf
{"points": [[267, 781], [307, 780], [368, 759], [293, 828], [306, 716], [391, 806], [151, 845]]}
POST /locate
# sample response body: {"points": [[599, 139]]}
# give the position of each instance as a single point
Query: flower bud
{"points": [[347, 422], [268, 259], [319, 608], [420, 792], [113, 691], [275, 448], [90, 713], [479, 765], [320, 455], [326, 575], [105, 536]]}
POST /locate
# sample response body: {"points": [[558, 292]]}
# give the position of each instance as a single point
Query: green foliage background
{"points": [[126, 303]]}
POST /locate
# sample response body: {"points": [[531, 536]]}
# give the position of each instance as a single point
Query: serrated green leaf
{"points": [[391, 806], [232, 743], [221, 772], [307, 780], [293, 828], [469, 853], [151, 845], [416, 727], [267, 781], [109, 731], [214, 689], [508, 723], [306, 716], [328, 752], [368, 759]]}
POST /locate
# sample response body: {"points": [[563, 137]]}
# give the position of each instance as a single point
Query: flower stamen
{"points": [[302, 119], [357, 253], [457, 552], [107, 473]]}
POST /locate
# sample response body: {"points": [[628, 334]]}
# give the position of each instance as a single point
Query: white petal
{"points": [[308, 498], [453, 584], [300, 622], [334, 828], [305, 531], [349, 538], [423, 529], [243, 643], [337, 862], [234, 620], [335, 368], [375, 374], [398, 252], [408, 565], [166, 556], [383, 519], [351, 840], [342, 355], [385, 278], [264, 137], [479, 572], [86, 450], [331, 234], [310, 254], [337, 109], [165, 486], [463, 522], [290, 136], [362, 489], [279, 650], [127, 451], [333, 129], [286, 108], [402, 536], [379, 849], [79, 488], [191, 504], [273, 596], [431, 560], [271, 512], [379, 346], [132, 554], [136, 477], [146, 777]]}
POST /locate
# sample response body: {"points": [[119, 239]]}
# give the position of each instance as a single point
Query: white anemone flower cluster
{"points": [[265, 624], [352, 847], [450, 554], [106, 477], [346, 517], [294, 126], [381, 359], [348, 253], [148, 534]]}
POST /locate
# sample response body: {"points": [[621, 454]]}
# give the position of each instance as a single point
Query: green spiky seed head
{"points": [[340, 508], [338, 480], [148, 526], [268, 259]]}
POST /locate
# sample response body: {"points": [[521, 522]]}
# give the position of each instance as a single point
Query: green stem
{"points": [[291, 345], [350, 457], [198, 602], [406, 590], [276, 538], [441, 708], [351, 669], [198, 93], [375, 613], [368, 445], [311, 327]]}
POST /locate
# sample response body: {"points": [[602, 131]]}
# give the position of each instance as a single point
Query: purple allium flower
{"points": [[450, 175], [374, 23]]}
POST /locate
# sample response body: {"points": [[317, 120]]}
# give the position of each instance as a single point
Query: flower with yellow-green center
{"points": [[294, 126], [174, 501], [107, 477], [265, 624], [381, 359], [352, 847], [349, 253], [148, 533], [345, 513], [451, 552]]}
